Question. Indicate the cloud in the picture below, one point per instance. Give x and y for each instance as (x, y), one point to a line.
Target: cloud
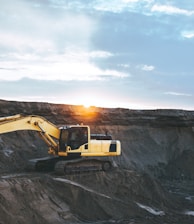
(148, 67)
(48, 46)
(118, 6)
(187, 34)
(69, 66)
(168, 9)
(115, 6)
(177, 94)
(21, 42)
(100, 54)
(129, 1)
(24, 28)
(124, 65)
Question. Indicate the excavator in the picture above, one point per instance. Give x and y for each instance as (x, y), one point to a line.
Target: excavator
(72, 148)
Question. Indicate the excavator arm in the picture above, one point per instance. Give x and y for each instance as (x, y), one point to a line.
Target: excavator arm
(47, 131)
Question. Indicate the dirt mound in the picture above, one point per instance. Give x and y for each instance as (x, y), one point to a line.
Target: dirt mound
(119, 196)
(46, 198)
(181, 167)
(26, 199)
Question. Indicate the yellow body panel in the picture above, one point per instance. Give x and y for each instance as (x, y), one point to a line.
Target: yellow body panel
(95, 148)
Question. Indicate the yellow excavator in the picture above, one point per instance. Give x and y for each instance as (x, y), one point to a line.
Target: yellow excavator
(71, 148)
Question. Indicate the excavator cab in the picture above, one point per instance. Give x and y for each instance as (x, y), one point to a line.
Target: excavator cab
(73, 137)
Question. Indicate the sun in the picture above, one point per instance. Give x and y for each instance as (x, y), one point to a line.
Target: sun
(87, 105)
(92, 99)
(88, 102)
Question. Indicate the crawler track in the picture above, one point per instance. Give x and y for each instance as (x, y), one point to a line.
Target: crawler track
(82, 165)
(68, 166)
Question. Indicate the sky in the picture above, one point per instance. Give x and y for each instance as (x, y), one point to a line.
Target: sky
(135, 54)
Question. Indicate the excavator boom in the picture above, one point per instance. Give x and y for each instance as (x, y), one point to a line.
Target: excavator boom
(18, 122)
(30, 122)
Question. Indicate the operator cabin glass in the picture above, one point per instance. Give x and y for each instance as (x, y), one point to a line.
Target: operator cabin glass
(73, 137)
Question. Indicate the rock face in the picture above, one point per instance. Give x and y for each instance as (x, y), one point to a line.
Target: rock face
(157, 147)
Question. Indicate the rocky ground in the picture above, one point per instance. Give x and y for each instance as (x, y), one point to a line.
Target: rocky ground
(152, 182)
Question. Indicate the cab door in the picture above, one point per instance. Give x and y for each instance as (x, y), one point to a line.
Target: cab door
(74, 139)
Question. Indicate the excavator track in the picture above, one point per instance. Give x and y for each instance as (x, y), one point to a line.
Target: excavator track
(44, 164)
(81, 165)
(61, 165)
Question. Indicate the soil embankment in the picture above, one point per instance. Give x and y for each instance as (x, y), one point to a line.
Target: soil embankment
(152, 181)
